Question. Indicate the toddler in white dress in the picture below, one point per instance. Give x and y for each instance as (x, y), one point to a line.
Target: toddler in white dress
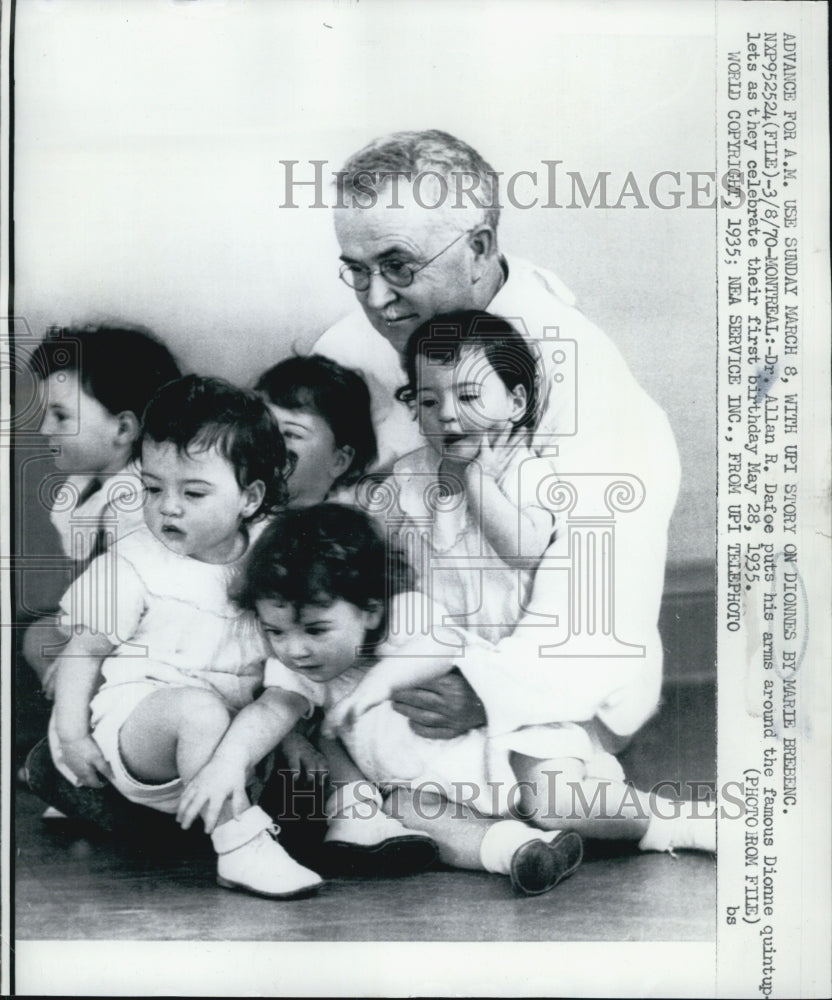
(178, 658)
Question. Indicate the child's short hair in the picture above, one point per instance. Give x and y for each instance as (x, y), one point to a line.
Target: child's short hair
(317, 555)
(444, 338)
(339, 395)
(120, 366)
(195, 413)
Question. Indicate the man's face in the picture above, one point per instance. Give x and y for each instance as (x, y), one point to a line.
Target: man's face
(410, 234)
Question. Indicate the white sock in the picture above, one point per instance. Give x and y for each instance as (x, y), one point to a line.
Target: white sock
(503, 839)
(693, 829)
(356, 800)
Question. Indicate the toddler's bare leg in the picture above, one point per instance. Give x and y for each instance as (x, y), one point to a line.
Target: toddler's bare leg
(172, 733)
(457, 829)
(557, 795)
(341, 768)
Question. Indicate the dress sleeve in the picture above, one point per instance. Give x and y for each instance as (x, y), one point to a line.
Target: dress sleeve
(109, 597)
(278, 675)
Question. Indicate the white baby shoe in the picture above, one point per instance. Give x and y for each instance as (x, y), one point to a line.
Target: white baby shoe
(250, 859)
(362, 840)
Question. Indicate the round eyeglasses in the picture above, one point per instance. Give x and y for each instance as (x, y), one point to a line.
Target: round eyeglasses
(398, 273)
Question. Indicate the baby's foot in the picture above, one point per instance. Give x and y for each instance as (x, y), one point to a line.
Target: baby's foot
(376, 845)
(250, 859)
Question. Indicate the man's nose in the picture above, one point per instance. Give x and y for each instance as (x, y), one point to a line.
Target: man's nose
(379, 294)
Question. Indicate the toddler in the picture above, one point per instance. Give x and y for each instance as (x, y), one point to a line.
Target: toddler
(332, 597)
(323, 411)
(177, 657)
(473, 382)
(96, 382)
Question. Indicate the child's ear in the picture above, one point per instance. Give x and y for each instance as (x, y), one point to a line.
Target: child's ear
(253, 497)
(343, 460)
(519, 403)
(127, 429)
(374, 614)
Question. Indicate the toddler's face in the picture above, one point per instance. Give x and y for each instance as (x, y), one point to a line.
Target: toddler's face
(319, 642)
(83, 435)
(459, 404)
(193, 503)
(311, 447)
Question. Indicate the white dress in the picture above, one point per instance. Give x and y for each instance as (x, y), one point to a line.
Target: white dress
(463, 573)
(173, 623)
(89, 515)
(472, 768)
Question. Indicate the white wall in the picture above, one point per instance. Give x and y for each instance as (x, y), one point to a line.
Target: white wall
(148, 136)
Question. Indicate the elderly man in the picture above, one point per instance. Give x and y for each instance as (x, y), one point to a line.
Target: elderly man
(410, 253)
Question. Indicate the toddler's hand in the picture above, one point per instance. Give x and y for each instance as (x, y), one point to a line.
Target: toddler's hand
(371, 691)
(84, 758)
(491, 458)
(304, 759)
(221, 779)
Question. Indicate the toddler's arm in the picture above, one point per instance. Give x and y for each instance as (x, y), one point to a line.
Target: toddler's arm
(502, 521)
(256, 730)
(414, 663)
(78, 671)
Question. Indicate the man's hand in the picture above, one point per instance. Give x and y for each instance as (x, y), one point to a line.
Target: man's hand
(441, 709)
(221, 779)
(84, 758)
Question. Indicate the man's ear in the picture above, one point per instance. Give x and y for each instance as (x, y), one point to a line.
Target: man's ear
(252, 497)
(127, 429)
(483, 242)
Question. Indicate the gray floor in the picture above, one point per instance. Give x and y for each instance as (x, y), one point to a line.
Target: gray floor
(73, 884)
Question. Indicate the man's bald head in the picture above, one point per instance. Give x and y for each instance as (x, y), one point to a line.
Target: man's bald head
(470, 180)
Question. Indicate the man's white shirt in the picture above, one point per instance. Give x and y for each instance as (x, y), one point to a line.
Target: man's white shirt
(602, 428)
